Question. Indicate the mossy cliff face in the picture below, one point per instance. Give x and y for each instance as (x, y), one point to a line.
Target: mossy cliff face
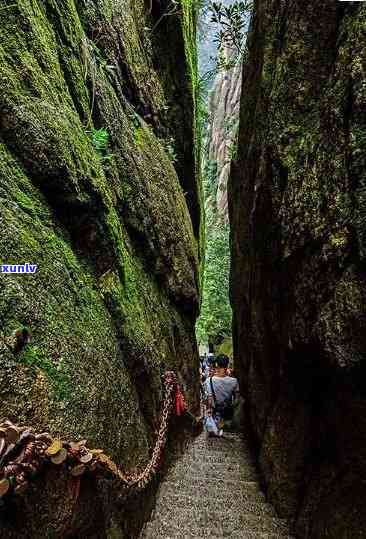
(297, 204)
(115, 297)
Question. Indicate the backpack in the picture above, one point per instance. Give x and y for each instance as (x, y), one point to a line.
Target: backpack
(225, 409)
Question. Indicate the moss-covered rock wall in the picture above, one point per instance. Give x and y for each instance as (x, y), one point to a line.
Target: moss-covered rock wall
(297, 205)
(112, 223)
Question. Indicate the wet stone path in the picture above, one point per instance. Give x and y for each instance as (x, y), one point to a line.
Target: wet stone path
(213, 491)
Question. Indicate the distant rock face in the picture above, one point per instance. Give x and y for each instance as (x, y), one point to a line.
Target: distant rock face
(223, 110)
(297, 207)
(214, 324)
(113, 228)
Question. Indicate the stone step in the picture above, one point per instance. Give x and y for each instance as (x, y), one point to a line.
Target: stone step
(219, 444)
(213, 475)
(219, 457)
(219, 447)
(213, 492)
(226, 466)
(222, 465)
(206, 471)
(244, 534)
(225, 441)
(207, 524)
(223, 517)
(202, 453)
(213, 485)
(213, 448)
(215, 503)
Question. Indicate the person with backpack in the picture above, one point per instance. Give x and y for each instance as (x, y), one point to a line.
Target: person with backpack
(221, 390)
(206, 372)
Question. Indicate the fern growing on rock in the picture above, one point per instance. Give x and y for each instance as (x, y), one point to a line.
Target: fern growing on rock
(100, 140)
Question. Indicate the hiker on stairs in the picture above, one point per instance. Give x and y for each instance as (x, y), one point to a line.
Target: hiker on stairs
(207, 371)
(221, 390)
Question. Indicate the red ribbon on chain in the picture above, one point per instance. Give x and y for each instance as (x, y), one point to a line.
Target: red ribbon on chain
(180, 403)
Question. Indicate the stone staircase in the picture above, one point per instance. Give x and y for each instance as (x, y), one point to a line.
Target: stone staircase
(213, 491)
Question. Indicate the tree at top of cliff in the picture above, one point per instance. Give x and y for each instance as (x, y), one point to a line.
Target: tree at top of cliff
(232, 21)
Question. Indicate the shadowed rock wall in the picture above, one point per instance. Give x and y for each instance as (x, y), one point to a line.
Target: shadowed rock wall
(115, 297)
(297, 208)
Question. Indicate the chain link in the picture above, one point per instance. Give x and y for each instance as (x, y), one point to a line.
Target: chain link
(33, 451)
(140, 480)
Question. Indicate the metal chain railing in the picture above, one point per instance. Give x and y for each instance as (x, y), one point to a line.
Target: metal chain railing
(142, 479)
(23, 453)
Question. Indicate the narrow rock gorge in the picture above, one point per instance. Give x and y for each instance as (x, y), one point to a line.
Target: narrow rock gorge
(98, 187)
(297, 200)
(108, 188)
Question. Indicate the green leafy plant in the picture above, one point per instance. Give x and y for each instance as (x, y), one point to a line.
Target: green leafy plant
(100, 140)
(138, 135)
(135, 119)
(232, 21)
